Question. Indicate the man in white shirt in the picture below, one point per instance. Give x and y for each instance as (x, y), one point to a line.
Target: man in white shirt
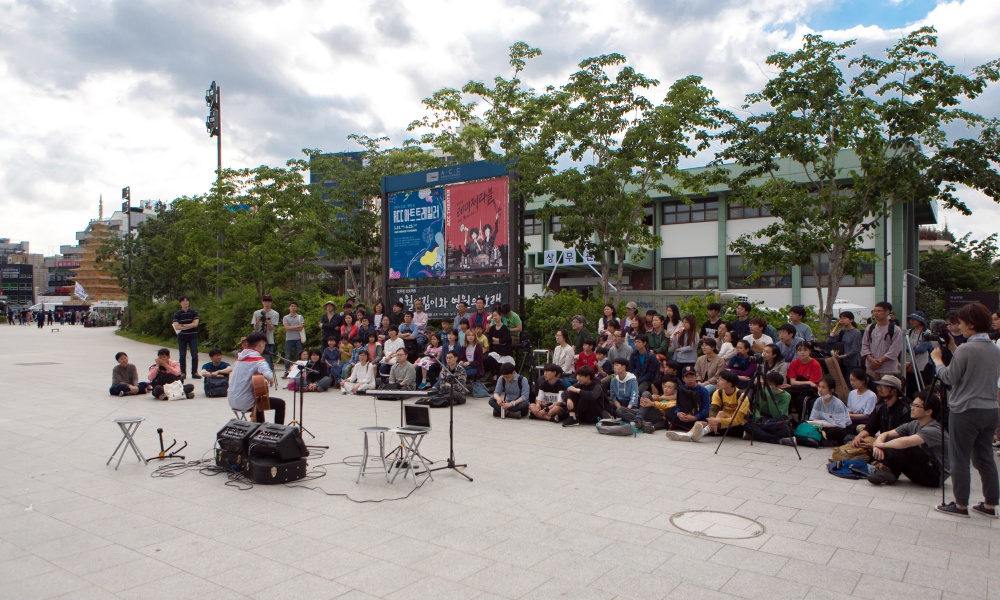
(264, 321)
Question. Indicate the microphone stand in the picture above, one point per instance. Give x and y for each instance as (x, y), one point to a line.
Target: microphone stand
(451, 380)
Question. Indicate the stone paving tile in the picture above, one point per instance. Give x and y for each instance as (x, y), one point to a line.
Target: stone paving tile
(71, 526)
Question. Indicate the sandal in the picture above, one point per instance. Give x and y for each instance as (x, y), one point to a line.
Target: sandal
(988, 512)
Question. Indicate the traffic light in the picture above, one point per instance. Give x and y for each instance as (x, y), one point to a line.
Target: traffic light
(213, 123)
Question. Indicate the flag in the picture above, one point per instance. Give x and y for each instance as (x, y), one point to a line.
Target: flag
(80, 292)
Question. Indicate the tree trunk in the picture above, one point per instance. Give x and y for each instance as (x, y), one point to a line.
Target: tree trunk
(605, 273)
(833, 287)
(620, 274)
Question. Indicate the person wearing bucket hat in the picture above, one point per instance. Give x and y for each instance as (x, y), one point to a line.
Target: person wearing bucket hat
(891, 411)
(920, 366)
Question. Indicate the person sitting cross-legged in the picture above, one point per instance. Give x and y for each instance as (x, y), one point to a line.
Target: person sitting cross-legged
(771, 424)
(729, 410)
(584, 400)
(690, 411)
(548, 404)
(215, 375)
(913, 449)
(511, 394)
(125, 378)
(402, 375)
(623, 390)
(165, 371)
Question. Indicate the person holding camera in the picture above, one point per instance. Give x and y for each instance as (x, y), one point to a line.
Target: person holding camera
(264, 321)
(974, 415)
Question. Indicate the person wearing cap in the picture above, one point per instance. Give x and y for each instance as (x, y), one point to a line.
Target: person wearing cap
(710, 328)
(892, 410)
(921, 368)
(690, 413)
(264, 321)
(330, 322)
(580, 327)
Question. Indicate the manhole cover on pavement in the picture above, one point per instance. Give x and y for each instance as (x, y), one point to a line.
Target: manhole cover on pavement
(715, 524)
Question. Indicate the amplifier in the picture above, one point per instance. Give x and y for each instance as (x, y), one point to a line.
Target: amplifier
(235, 436)
(283, 442)
(233, 462)
(270, 471)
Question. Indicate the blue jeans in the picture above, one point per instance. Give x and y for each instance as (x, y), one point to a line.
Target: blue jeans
(123, 387)
(183, 343)
(292, 350)
(520, 407)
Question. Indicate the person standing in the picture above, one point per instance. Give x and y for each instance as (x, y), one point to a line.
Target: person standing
(264, 321)
(186, 327)
(293, 323)
(330, 322)
(972, 403)
(881, 344)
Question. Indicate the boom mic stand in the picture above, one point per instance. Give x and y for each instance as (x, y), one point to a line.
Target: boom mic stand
(297, 417)
(451, 380)
(752, 395)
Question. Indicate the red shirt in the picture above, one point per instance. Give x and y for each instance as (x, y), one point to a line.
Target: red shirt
(585, 360)
(812, 371)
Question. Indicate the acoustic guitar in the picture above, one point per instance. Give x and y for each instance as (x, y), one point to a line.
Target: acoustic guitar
(261, 400)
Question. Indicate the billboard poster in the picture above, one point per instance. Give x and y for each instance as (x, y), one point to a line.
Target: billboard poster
(416, 234)
(476, 228)
(442, 301)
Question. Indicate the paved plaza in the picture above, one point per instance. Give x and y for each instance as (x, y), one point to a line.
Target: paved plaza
(552, 513)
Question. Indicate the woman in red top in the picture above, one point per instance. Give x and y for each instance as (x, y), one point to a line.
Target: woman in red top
(349, 329)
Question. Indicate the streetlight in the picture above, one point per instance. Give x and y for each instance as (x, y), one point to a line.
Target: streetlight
(213, 123)
(127, 209)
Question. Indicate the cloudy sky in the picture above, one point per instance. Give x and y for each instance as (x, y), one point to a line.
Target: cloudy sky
(97, 95)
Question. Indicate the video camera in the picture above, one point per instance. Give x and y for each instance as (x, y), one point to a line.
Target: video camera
(941, 335)
(757, 359)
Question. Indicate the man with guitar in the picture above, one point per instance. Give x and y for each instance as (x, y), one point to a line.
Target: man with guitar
(244, 392)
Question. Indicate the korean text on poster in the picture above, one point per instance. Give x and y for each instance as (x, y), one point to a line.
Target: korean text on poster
(416, 234)
(476, 227)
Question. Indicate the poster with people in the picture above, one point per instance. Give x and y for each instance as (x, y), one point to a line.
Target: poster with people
(476, 227)
(416, 234)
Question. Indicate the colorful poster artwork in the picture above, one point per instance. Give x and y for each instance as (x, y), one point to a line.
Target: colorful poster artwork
(416, 234)
(476, 228)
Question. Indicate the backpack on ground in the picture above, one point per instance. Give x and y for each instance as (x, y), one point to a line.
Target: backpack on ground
(479, 390)
(854, 468)
(615, 427)
(216, 387)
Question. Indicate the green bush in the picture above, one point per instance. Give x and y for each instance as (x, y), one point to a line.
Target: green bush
(698, 306)
(543, 315)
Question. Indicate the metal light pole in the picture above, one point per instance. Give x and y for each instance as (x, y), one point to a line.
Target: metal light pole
(127, 209)
(213, 123)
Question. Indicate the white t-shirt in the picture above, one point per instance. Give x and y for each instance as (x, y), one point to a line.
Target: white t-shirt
(389, 349)
(260, 316)
(861, 403)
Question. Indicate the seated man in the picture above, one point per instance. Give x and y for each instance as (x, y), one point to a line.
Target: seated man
(643, 364)
(215, 375)
(249, 362)
(645, 417)
(511, 395)
(691, 410)
(913, 449)
(125, 378)
(728, 412)
(891, 411)
(165, 371)
(623, 390)
(548, 404)
(771, 424)
(402, 375)
(584, 400)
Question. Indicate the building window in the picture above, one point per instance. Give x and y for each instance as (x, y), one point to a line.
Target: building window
(699, 273)
(532, 226)
(740, 278)
(699, 211)
(533, 277)
(554, 226)
(809, 278)
(647, 216)
(735, 211)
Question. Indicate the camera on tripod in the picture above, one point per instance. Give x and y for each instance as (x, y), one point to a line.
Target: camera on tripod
(757, 359)
(940, 335)
(524, 345)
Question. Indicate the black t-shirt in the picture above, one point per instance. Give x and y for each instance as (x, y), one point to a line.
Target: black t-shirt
(740, 329)
(711, 330)
(186, 317)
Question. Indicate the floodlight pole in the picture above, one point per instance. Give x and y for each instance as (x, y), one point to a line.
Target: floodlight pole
(213, 98)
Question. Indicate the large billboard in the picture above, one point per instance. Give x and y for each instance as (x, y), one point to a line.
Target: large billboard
(416, 234)
(476, 228)
(441, 301)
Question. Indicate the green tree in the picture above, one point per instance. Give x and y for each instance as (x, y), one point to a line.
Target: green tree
(631, 148)
(350, 213)
(894, 116)
(966, 266)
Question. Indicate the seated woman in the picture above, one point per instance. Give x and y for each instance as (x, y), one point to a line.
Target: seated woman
(501, 344)
(363, 376)
(803, 377)
(125, 378)
(861, 400)
(318, 378)
(472, 357)
(427, 362)
(725, 340)
(829, 413)
(165, 371)
(563, 354)
(773, 360)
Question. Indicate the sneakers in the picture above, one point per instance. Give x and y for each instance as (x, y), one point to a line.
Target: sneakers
(120, 394)
(882, 476)
(570, 422)
(643, 426)
(789, 441)
(531, 415)
(196, 376)
(678, 436)
(697, 432)
(986, 512)
(162, 397)
(423, 385)
(555, 418)
(952, 509)
(496, 414)
(513, 414)
(190, 395)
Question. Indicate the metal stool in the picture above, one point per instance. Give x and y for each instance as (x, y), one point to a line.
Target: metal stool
(411, 452)
(380, 436)
(243, 415)
(128, 425)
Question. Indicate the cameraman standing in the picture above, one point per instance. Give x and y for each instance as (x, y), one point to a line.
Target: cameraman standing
(972, 375)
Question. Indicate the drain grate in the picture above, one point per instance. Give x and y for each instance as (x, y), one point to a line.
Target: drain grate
(35, 364)
(716, 524)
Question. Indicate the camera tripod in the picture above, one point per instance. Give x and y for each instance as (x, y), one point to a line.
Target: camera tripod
(753, 395)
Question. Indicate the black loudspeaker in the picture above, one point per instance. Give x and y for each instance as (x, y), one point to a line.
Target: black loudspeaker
(232, 444)
(270, 471)
(283, 442)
